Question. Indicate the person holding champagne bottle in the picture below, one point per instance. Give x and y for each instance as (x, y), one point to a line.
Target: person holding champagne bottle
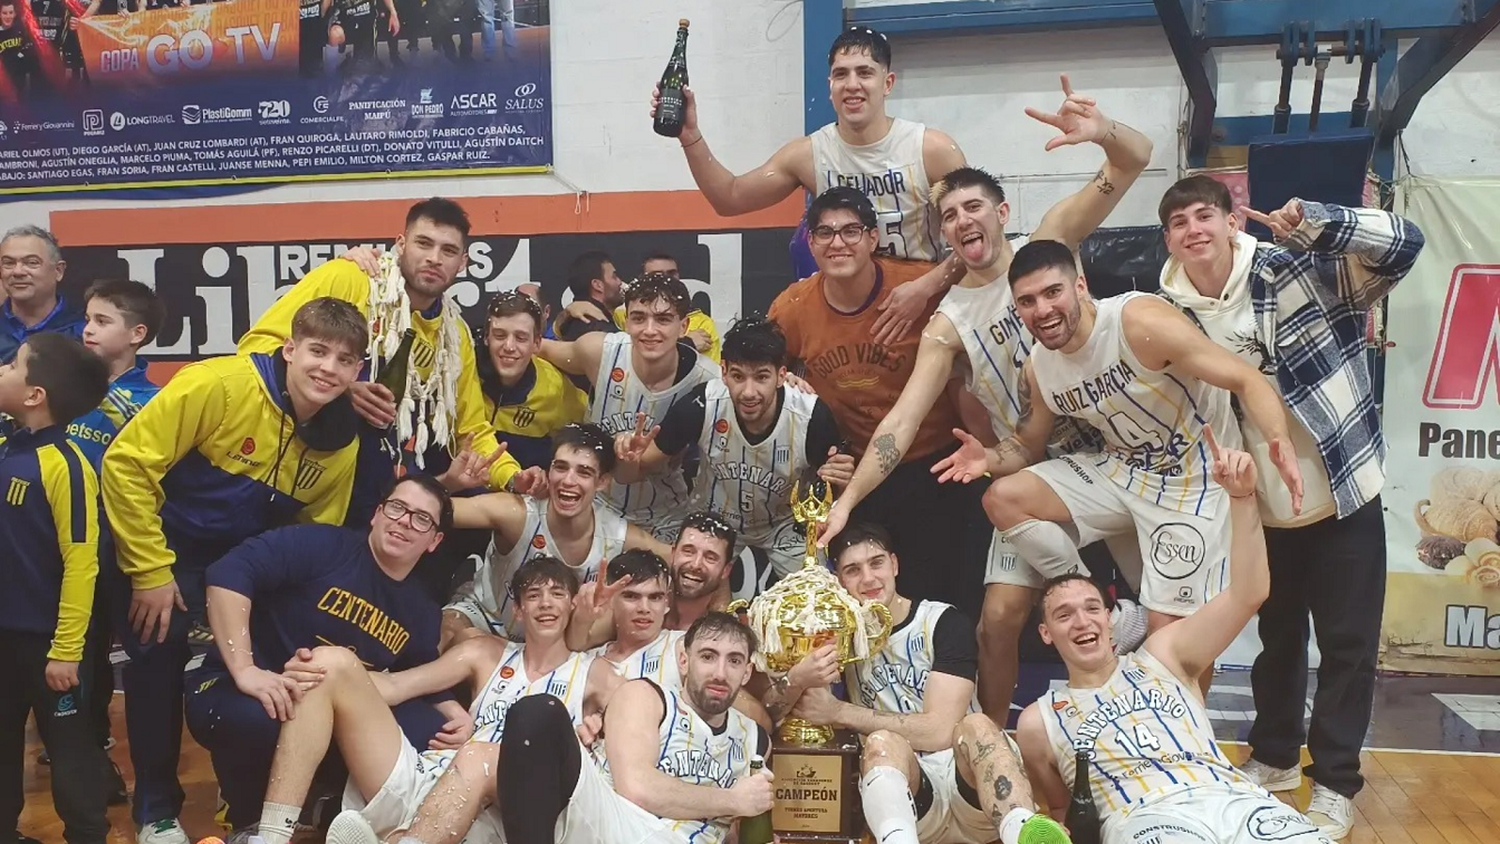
(1138, 721)
(890, 160)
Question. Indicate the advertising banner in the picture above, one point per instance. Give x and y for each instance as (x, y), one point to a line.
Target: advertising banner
(218, 267)
(1442, 612)
(270, 91)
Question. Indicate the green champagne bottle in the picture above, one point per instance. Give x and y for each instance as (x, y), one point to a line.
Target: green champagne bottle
(1082, 819)
(672, 109)
(756, 830)
(393, 376)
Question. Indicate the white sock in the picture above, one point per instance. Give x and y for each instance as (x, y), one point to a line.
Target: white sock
(278, 822)
(889, 809)
(1046, 547)
(1010, 825)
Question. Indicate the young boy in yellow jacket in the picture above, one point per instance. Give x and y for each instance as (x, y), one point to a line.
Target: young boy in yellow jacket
(231, 447)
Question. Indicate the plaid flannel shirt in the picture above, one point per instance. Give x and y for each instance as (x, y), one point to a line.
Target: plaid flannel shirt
(1312, 293)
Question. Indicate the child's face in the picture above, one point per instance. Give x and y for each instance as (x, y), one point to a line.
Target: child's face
(108, 332)
(14, 391)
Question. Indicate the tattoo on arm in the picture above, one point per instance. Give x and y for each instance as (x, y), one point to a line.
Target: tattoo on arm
(1104, 186)
(890, 456)
(1110, 135)
(1023, 400)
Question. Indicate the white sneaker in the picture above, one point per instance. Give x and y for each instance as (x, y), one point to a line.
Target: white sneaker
(350, 827)
(1128, 625)
(246, 836)
(1272, 779)
(1332, 813)
(168, 831)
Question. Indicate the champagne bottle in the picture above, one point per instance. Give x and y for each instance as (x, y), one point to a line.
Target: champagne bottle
(672, 108)
(756, 830)
(1082, 819)
(393, 377)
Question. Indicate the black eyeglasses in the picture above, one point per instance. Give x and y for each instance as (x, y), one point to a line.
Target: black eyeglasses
(420, 521)
(513, 299)
(850, 233)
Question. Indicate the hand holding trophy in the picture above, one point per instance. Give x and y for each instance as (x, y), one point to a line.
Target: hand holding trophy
(817, 770)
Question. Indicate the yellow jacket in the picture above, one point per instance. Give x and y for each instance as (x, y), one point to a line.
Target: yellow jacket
(345, 280)
(213, 460)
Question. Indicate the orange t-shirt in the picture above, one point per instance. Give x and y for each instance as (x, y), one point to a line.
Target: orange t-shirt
(859, 380)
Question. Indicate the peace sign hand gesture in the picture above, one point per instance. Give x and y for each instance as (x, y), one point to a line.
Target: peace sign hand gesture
(1282, 222)
(595, 596)
(1078, 118)
(630, 446)
(469, 469)
(1233, 470)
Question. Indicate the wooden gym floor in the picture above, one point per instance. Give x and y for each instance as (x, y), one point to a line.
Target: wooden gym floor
(1410, 797)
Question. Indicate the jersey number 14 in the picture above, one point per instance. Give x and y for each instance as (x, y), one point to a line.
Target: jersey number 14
(1144, 740)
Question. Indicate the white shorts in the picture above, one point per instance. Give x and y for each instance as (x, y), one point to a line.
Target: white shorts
(394, 807)
(950, 819)
(1213, 814)
(1006, 567)
(597, 814)
(782, 544)
(1186, 555)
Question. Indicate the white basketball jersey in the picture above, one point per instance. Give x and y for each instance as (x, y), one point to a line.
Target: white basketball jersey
(490, 588)
(656, 662)
(618, 396)
(895, 679)
(1151, 422)
(751, 485)
(695, 753)
(508, 683)
(1146, 733)
(892, 174)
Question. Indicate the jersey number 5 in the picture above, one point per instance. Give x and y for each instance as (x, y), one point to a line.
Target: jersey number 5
(892, 242)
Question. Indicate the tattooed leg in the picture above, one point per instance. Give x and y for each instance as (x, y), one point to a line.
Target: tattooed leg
(988, 763)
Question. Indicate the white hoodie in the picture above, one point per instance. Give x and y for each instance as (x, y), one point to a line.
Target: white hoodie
(1230, 322)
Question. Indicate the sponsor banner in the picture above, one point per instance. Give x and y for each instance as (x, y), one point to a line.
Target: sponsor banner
(219, 267)
(270, 91)
(1442, 612)
(159, 46)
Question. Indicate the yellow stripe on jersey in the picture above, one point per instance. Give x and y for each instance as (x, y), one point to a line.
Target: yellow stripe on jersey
(72, 490)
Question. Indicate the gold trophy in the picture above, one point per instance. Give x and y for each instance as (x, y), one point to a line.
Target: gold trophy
(817, 769)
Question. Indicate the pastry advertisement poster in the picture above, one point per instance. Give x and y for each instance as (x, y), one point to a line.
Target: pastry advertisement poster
(1442, 426)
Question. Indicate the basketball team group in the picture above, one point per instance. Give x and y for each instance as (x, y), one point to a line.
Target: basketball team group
(300, 515)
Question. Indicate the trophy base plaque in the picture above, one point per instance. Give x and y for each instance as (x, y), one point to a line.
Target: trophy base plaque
(817, 792)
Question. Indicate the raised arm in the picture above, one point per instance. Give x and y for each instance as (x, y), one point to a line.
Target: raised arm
(1041, 763)
(632, 722)
(1161, 336)
(579, 357)
(1126, 154)
(730, 195)
(1373, 249)
(1190, 646)
(894, 435)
